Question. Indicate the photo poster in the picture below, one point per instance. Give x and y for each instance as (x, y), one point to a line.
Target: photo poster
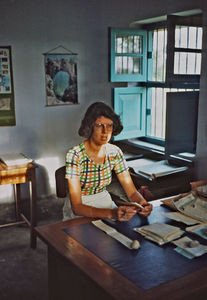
(7, 109)
(61, 79)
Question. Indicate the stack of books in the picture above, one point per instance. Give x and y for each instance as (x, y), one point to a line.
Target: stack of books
(160, 233)
(13, 160)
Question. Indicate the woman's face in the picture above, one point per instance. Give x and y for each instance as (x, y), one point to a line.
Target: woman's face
(102, 130)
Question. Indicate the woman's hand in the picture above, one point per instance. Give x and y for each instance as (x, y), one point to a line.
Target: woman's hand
(146, 210)
(125, 213)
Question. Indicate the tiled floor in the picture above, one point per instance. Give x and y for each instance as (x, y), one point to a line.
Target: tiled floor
(23, 273)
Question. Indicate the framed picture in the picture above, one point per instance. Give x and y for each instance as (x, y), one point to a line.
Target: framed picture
(7, 111)
(61, 78)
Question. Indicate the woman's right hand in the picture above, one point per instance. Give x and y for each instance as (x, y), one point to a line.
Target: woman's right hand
(125, 213)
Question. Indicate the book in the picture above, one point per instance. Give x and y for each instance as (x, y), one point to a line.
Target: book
(158, 169)
(15, 159)
(160, 233)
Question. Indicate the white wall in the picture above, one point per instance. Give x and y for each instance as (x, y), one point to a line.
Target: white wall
(33, 27)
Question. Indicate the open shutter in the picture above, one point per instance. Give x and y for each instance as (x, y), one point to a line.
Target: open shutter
(181, 122)
(130, 105)
(128, 55)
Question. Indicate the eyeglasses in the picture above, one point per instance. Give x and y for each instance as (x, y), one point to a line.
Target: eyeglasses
(107, 127)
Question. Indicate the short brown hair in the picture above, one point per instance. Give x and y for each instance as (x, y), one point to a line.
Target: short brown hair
(95, 111)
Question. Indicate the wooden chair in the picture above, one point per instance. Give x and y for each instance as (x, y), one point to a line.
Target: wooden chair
(61, 183)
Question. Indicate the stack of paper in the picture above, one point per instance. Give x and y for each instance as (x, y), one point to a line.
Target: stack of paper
(14, 159)
(160, 233)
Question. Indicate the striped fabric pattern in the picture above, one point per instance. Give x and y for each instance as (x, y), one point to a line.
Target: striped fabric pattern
(94, 177)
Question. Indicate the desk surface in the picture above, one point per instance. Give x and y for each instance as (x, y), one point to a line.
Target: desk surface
(189, 286)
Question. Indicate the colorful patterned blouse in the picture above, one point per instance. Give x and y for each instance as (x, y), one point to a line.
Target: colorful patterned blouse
(94, 177)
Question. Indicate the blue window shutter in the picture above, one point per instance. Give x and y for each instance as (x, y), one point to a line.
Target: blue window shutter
(130, 105)
(127, 75)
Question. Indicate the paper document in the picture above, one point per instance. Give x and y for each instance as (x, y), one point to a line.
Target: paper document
(200, 230)
(177, 216)
(202, 190)
(192, 206)
(115, 234)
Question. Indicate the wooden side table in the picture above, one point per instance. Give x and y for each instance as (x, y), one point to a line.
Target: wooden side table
(16, 176)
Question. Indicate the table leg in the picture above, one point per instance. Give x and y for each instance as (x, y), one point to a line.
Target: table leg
(17, 197)
(33, 220)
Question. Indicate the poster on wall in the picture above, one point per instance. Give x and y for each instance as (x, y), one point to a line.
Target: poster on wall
(61, 78)
(7, 112)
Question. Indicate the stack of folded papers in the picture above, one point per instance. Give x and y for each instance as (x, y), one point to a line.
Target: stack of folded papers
(160, 233)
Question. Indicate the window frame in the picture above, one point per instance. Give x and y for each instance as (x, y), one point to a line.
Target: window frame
(172, 22)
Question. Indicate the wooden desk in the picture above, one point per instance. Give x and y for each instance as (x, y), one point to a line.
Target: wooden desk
(74, 272)
(16, 176)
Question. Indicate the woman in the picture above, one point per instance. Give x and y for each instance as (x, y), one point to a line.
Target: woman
(89, 169)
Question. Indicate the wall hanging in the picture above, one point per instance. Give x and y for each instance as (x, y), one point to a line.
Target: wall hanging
(61, 77)
(7, 111)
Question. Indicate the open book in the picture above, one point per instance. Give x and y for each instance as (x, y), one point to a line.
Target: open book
(158, 169)
(160, 233)
(14, 159)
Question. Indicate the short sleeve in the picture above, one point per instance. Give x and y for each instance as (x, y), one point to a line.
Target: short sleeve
(72, 164)
(120, 162)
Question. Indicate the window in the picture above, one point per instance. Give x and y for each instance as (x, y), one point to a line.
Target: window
(171, 55)
(184, 49)
(159, 50)
(189, 38)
